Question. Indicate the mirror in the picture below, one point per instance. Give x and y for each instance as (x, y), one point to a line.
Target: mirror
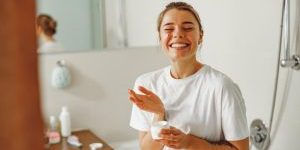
(78, 23)
(101, 24)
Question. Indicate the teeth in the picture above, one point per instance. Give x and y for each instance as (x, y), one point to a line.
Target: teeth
(178, 45)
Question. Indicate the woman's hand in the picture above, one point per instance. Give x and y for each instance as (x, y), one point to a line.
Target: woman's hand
(148, 101)
(174, 138)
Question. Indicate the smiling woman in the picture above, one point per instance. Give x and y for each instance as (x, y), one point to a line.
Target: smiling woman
(207, 106)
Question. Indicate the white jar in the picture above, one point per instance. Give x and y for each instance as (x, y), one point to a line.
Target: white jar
(65, 121)
(156, 128)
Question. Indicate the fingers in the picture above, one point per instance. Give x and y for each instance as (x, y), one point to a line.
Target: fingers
(165, 131)
(167, 134)
(141, 97)
(171, 130)
(149, 95)
(133, 99)
(173, 138)
(145, 91)
(150, 103)
(137, 99)
(133, 96)
(170, 143)
(175, 131)
(170, 137)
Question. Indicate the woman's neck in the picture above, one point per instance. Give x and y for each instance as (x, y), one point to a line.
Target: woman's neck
(183, 69)
(47, 38)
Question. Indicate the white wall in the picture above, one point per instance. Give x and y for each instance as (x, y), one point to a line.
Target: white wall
(141, 16)
(241, 39)
(98, 97)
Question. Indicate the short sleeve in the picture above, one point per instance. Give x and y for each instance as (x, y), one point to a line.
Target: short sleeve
(234, 120)
(140, 120)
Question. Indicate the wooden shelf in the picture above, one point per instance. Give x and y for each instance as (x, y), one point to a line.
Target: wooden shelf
(86, 137)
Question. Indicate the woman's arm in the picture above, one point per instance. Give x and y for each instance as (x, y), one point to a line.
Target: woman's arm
(174, 138)
(147, 143)
(151, 103)
(145, 138)
(200, 144)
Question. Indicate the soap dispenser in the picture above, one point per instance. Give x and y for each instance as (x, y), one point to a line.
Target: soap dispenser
(61, 76)
(65, 121)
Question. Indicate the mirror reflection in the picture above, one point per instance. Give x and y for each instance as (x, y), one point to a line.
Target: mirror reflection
(46, 29)
(78, 24)
(101, 24)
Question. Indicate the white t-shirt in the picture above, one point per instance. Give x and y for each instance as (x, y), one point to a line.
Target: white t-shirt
(50, 46)
(206, 104)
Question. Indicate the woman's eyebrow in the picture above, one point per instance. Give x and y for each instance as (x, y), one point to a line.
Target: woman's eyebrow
(169, 23)
(184, 23)
(188, 22)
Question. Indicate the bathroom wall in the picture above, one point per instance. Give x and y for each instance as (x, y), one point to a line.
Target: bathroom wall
(240, 39)
(97, 97)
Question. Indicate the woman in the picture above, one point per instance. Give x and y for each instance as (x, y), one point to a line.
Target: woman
(46, 28)
(204, 107)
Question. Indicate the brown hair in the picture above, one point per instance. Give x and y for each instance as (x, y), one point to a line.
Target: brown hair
(179, 6)
(47, 23)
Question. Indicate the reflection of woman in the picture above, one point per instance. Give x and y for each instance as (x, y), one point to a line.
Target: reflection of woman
(204, 107)
(46, 28)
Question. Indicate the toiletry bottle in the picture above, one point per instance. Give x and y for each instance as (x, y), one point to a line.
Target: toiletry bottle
(65, 122)
(53, 134)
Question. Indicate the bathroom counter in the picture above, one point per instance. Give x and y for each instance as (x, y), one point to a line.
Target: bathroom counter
(86, 137)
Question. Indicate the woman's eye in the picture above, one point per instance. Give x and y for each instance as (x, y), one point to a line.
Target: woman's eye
(188, 28)
(168, 29)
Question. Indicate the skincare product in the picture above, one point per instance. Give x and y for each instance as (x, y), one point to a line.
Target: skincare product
(95, 146)
(74, 141)
(156, 128)
(65, 121)
(53, 134)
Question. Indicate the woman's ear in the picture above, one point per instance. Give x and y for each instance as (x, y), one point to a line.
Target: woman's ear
(200, 39)
(199, 42)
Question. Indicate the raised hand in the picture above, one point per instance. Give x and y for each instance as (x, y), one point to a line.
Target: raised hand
(148, 101)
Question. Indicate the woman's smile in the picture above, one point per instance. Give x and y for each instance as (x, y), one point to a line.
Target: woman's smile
(179, 45)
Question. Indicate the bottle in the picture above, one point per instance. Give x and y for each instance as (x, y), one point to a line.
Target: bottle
(53, 134)
(65, 122)
(53, 123)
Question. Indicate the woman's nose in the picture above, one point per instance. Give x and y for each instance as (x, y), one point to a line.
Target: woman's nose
(178, 33)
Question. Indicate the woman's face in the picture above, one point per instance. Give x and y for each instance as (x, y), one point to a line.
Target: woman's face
(38, 30)
(180, 34)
